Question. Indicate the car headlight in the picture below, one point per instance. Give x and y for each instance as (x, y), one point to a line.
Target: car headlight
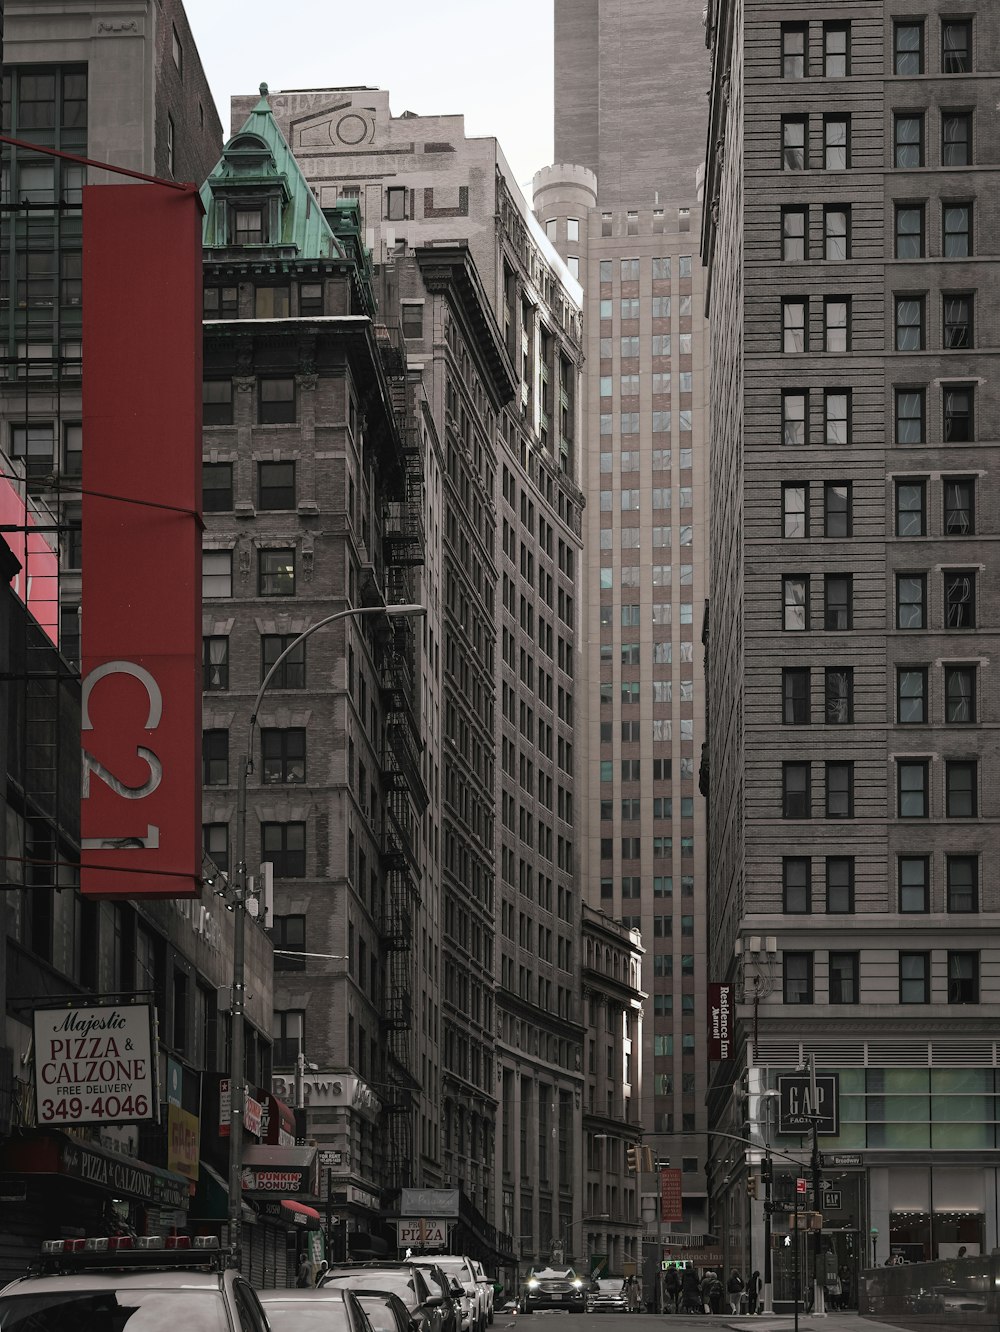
(532, 1284)
(578, 1285)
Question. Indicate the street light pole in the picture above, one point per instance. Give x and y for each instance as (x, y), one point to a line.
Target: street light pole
(238, 904)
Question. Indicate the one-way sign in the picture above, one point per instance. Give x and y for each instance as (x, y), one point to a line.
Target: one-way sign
(795, 1107)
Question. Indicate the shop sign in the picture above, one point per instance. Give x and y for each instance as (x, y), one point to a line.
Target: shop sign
(842, 1158)
(796, 1112)
(252, 1111)
(704, 1257)
(832, 1200)
(36, 583)
(720, 1007)
(140, 705)
(121, 1176)
(285, 1171)
(429, 1202)
(671, 1195)
(183, 1136)
(427, 1234)
(341, 1091)
(94, 1065)
(277, 1123)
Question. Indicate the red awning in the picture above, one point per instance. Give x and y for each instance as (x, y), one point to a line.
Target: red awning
(309, 1214)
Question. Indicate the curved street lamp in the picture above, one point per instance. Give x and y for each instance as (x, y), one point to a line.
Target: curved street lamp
(239, 903)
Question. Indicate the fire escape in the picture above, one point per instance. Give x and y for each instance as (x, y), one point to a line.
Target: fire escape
(405, 794)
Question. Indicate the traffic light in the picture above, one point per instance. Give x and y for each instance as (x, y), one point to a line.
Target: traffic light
(751, 1185)
(767, 1170)
(646, 1154)
(632, 1159)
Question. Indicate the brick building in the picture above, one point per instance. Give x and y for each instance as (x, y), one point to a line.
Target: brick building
(850, 235)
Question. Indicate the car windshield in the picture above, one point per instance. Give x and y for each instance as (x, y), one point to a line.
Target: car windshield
(290, 1313)
(450, 1265)
(397, 1282)
(122, 1310)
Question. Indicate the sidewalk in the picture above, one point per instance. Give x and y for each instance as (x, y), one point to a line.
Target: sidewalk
(831, 1322)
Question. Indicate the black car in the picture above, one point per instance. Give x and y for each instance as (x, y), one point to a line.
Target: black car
(387, 1313)
(309, 1310)
(424, 1304)
(551, 1289)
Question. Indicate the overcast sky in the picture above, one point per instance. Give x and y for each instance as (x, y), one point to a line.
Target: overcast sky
(490, 61)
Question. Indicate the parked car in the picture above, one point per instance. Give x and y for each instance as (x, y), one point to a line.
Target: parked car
(314, 1310)
(486, 1283)
(116, 1289)
(452, 1295)
(403, 1279)
(457, 1265)
(387, 1312)
(552, 1289)
(608, 1297)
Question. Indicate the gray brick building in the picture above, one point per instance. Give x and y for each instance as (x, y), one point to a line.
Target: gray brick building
(850, 239)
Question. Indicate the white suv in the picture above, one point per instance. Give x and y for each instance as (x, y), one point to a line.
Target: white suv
(474, 1317)
(486, 1286)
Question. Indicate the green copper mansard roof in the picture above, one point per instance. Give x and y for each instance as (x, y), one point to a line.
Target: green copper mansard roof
(258, 169)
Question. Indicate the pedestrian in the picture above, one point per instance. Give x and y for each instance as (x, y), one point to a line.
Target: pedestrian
(673, 1288)
(753, 1292)
(708, 1276)
(845, 1287)
(834, 1290)
(321, 1271)
(304, 1275)
(734, 1286)
(690, 1291)
(962, 1251)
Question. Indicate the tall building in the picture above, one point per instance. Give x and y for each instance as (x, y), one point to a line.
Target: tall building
(623, 206)
(848, 233)
(501, 831)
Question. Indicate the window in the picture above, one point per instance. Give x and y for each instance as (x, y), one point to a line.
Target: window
(215, 662)
(795, 509)
(839, 688)
(908, 47)
(412, 317)
(908, 139)
(844, 978)
(793, 143)
(631, 223)
(795, 878)
(911, 601)
(959, 494)
(836, 232)
(836, 50)
(289, 936)
(836, 142)
(176, 49)
(911, 695)
(837, 509)
(276, 402)
(793, 323)
(275, 485)
(956, 138)
(963, 978)
(217, 402)
(795, 598)
(284, 845)
(963, 883)
(956, 228)
(572, 228)
(72, 457)
(957, 331)
(629, 270)
(836, 324)
(606, 221)
(288, 1029)
(794, 232)
(839, 885)
(911, 778)
(957, 402)
(276, 573)
(837, 413)
(909, 231)
(795, 695)
(283, 755)
(840, 790)
(220, 302)
(909, 323)
(797, 978)
(914, 978)
(216, 573)
(793, 50)
(573, 264)
(247, 226)
(215, 839)
(914, 894)
(911, 508)
(311, 300)
(960, 695)
(34, 445)
(170, 143)
(960, 785)
(837, 597)
(215, 758)
(796, 791)
(794, 416)
(684, 265)
(395, 203)
(956, 46)
(960, 598)
(910, 415)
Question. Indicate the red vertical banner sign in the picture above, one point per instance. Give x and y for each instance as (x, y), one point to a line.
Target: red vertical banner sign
(141, 604)
(671, 1197)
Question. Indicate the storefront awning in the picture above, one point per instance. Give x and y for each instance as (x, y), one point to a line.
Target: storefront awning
(301, 1214)
(53, 1153)
(211, 1201)
(271, 1172)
